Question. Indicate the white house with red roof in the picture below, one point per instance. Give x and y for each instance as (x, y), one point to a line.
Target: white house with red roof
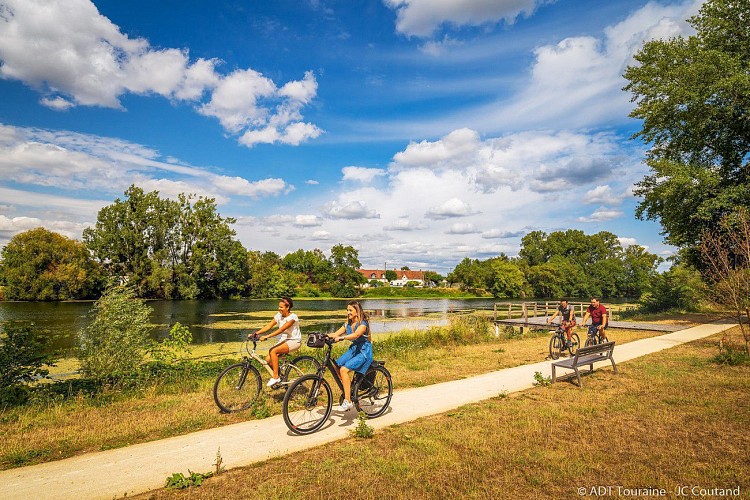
(402, 276)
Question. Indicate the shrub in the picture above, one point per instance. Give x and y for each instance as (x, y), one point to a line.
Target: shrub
(114, 343)
(173, 348)
(362, 430)
(731, 355)
(22, 357)
(541, 381)
(679, 288)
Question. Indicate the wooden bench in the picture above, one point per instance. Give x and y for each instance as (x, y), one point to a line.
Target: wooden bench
(586, 356)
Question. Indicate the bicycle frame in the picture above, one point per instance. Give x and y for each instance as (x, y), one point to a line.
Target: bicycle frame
(330, 364)
(595, 334)
(251, 354)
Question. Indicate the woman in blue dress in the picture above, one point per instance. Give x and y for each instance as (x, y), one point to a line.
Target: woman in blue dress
(359, 355)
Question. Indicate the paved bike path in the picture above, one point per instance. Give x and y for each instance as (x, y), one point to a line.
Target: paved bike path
(144, 467)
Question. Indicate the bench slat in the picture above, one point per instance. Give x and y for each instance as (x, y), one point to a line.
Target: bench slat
(587, 356)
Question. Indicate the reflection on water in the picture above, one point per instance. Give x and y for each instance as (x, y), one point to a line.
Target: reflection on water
(209, 319)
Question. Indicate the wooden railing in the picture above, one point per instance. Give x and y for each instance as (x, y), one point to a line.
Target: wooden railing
(526, 310)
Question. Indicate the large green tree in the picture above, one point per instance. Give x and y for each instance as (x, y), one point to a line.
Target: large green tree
(312, 263)
(693, 96)
(42, 265)
(506, 279)
(169, 248)
(345, 279)
(268, 278)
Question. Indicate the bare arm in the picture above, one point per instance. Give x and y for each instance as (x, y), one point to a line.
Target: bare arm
(338, 332)
(553, 317)
(266, 328)
(280, 330)
(361, 329)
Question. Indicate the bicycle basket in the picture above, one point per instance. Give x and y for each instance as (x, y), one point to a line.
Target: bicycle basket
(316, 340)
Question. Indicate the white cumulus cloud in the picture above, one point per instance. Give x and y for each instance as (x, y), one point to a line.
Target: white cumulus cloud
(601, 214)
(352, 210)
(361, 174)
(451, 208)
(422, 17)
(75, 56)
(307, 220)
(462, 228)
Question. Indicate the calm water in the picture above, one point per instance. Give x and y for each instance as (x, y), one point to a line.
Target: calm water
(204, 317)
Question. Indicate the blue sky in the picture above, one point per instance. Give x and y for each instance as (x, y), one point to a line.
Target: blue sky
(418, 131)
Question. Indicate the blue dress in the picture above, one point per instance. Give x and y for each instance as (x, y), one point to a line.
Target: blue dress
(359, 355)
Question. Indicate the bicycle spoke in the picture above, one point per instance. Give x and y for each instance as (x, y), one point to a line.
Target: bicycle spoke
(307, 404)
(237, 388)
(374, 392)
(303, 365)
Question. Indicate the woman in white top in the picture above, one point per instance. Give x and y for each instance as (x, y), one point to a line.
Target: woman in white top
(291, 337)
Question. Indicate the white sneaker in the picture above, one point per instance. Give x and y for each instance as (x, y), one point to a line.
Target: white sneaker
(346, 405)
(273, 381)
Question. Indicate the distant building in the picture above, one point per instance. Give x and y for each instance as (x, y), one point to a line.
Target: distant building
(402, 277)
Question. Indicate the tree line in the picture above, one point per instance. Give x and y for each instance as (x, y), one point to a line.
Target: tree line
(166, 249)
(184, 249)
(563, 264)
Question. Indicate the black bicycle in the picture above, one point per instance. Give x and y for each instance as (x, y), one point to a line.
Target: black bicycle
(309, 400)
(595, 336)
(239, 385)
(559, 343)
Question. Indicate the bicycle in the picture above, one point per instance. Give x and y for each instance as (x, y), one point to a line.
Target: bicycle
(594, 336)
(238, 386)
(558, 342)
(309, 400)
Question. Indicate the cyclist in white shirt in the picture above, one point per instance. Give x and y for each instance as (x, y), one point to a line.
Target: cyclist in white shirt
(290, 339)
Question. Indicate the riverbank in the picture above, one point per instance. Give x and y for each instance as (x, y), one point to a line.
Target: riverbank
(51, 429)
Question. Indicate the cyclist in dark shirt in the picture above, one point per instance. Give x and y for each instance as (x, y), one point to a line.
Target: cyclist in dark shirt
(599, 318)
(567, 317)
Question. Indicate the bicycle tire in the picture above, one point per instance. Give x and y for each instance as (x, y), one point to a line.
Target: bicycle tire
(575, 343)
(374, 392)
(555, 346)
(307, 404)
(237, 387)
(301, 365)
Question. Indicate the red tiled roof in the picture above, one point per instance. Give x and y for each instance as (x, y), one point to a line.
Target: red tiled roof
(380, 274)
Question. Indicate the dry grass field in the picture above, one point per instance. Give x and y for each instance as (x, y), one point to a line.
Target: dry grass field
(668, 420)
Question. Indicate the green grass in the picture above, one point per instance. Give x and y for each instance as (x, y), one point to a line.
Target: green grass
(669, 419)
(77, 419)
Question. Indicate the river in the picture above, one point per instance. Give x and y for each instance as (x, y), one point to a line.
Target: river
(226, 320)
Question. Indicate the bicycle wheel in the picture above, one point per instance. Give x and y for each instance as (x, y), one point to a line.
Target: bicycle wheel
(307, 404)
(237, 387)
(590, 341)
(575, 343)
(374, 391)
(555, 346)
(302, 365)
